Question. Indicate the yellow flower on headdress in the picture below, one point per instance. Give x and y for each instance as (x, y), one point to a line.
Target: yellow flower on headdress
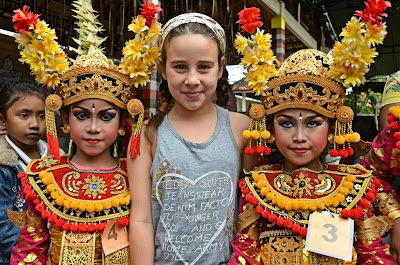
(141, 54)
(257, 58)
(353, 76)
(138, 25)
(262, 41)
(353, 30)
(132, 49)
(240, 43)
(374, 35)
(151, 56)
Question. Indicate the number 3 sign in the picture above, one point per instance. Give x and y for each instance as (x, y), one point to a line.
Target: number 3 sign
(330, 235)
(114, 237)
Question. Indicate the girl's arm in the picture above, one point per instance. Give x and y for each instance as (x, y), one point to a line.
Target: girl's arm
(34, 239)
(141, 231)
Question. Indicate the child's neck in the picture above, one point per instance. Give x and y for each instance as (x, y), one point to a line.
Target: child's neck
(195, 126)
(30, 150)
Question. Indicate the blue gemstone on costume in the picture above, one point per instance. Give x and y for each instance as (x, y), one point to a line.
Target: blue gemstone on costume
(94, 186)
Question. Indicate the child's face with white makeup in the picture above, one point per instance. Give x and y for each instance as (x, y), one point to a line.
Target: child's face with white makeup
(301, 137)
(94, 126)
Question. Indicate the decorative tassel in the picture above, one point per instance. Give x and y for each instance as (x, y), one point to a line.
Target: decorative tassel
(135, 107)
(134, 150)
(344, 134)
(257, 131)
(51, 133)
(53, 103)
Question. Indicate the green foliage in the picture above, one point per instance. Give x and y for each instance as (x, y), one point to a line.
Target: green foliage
(367, 102)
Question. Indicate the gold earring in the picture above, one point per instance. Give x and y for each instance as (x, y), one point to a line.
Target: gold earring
(121, 132)
(331, 138)
(70, 147)
(66, 128)
(115, 149)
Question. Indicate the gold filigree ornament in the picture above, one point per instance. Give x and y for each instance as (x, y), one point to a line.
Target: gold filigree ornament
(258, 132)
(92, 74)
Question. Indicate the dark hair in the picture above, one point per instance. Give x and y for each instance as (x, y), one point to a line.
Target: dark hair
(165, 95)
(12, 92)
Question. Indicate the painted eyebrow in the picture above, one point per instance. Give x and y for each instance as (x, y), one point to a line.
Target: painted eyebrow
(307, 119)
(313, 117)
(85, 109)
(286, 116)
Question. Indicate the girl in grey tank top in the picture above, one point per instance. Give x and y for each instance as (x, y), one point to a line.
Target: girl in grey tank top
(194, 195)
(184, 183)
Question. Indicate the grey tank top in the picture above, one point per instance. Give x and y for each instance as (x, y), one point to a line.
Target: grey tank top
(195, 195)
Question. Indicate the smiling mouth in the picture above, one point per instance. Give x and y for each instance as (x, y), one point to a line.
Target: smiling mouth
(192, 95)
(299, 150)
(92, 141)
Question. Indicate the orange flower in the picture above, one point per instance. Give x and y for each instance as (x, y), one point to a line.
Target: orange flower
(24, 19)
(149, 11)
(374, 11)
(248, 18)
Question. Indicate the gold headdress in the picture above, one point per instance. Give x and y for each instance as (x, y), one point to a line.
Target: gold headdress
(91, 75)
(309, 79)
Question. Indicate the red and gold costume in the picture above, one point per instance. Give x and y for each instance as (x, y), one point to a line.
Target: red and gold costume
(276, 206)
(70, 207)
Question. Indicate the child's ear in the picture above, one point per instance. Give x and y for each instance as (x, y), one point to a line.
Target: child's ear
(221, 67)
(163, 70)
(64, 116)
(2, 120)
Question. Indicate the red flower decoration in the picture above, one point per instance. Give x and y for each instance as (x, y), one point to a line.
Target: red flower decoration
(248, 18)
(149, 11)
(24, 19)
(374, 11)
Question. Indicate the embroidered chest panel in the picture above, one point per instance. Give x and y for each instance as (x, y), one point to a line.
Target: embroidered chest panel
(299, 193)
(80, 195)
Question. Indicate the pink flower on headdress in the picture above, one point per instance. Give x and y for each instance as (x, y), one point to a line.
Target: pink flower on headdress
(24, 19)
(149, 11)
(248, 18)
(374, 11)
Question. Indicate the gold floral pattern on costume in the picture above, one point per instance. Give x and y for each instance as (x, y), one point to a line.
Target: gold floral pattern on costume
(94, 186)
(30, 259)
(119, 185)
(302, 185)
(33, 233)
(395, 158)
(348, 169)
(47, 163)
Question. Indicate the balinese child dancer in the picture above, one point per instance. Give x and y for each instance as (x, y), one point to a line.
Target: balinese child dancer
(78, 203)
(22, 113)
(183, 184)
(282, 205)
